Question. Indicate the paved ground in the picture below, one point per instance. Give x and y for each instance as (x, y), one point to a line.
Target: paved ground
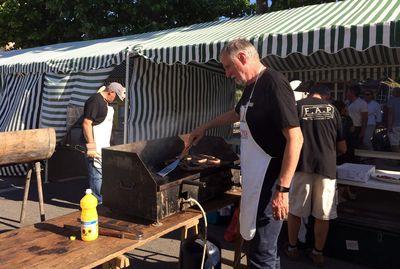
(63, 197)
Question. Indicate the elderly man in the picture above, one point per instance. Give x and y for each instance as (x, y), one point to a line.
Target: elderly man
(270, 147)
(97, 127)
(313, 188)
(374, 118)
(358, 112)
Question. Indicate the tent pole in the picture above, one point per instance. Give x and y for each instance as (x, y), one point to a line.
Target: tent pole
(126, 98)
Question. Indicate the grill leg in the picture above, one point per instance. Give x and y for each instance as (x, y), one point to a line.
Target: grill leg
(26, 193)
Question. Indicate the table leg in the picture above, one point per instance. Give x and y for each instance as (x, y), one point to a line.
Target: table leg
(238, 253)
(185, 229)
(40, 191)
(26, 193)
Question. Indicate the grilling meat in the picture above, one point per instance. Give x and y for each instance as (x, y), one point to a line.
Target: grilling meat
(197, 162)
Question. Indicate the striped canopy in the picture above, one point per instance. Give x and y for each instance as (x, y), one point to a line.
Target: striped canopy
(331, 27)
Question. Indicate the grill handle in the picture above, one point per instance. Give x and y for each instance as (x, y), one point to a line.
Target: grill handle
(194, 183)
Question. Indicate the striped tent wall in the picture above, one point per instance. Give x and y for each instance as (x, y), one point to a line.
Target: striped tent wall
(20, 104)
(168, 100)
(62, 90)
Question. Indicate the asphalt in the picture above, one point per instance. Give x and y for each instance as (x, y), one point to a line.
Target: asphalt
(63, 197)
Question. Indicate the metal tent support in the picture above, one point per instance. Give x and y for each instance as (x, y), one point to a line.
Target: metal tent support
(126, 109)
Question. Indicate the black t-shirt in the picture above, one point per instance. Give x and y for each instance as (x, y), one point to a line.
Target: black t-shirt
(95, 109)
(321, 125)
(271, 109)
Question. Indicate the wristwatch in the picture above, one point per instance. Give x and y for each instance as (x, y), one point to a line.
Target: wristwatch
(281, 188)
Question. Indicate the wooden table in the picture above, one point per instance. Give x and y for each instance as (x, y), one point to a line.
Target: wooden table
(47, 244)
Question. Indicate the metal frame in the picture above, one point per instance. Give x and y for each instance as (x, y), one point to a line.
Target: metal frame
(126, 97)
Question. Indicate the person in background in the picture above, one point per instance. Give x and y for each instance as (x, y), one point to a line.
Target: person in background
(374, 118)
(313, 189)
(358, 111)
(348, 130)
(393, 124)
(271, 141)
(97, 126)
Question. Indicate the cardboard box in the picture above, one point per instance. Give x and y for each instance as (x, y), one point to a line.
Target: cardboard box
(355, 172)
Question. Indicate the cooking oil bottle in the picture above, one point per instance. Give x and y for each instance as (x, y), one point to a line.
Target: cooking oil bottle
(89, 217)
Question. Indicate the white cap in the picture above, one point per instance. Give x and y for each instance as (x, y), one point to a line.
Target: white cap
(88, 191)
(118, 89)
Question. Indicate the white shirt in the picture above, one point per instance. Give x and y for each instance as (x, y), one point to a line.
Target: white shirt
(355, 109)
(374, 113)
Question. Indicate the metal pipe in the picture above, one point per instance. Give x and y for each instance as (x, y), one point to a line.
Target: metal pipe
(126, 107)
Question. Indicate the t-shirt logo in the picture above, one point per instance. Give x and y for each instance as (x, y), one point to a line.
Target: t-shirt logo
(317, 112)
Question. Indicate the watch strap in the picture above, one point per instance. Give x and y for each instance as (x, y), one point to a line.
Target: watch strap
(281, 188)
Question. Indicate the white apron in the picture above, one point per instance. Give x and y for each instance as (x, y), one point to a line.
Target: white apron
(254, 163)
(102, 134)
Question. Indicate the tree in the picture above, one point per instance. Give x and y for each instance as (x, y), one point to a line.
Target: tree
(286, 4)
(262, 6)
(32, 23)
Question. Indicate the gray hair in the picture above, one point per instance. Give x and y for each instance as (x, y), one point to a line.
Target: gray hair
(235, 46)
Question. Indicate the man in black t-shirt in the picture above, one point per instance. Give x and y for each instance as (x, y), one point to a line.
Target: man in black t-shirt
(270, 147)
(97, 127)
(313, 187)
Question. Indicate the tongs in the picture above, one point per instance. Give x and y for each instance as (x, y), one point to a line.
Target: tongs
(171, 167)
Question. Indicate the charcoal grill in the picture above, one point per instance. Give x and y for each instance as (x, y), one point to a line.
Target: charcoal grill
(131, 185)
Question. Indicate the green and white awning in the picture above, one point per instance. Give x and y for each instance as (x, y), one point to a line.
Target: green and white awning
(330, 27)
(348, 64)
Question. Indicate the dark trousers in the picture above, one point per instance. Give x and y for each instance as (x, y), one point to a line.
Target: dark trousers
(95, 176)
(263, 247)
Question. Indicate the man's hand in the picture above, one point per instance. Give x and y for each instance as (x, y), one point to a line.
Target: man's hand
(196, 135)
(91, 151)
(280, 205)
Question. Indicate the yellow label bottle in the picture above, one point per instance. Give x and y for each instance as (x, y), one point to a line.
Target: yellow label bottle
(89, 217)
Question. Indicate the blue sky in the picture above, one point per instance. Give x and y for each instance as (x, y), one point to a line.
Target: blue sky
(253, 1)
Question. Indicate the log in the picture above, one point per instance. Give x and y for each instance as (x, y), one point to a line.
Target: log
(27, 146)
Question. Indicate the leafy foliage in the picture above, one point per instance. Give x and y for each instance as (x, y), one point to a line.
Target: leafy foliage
(31, 23)
(274, 5)
(286, 4)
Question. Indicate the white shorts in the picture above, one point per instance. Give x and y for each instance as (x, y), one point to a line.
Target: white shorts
(313, 193)
(394, 136)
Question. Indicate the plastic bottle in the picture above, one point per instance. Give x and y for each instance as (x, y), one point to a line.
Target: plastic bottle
(89, 217)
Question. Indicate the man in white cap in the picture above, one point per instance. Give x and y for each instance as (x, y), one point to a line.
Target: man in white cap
(97, 127)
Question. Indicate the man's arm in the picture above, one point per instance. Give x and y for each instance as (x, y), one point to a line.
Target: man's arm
(364, 121)
(87, 127)
(378, 115)
(227, 118)
(294, 142)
